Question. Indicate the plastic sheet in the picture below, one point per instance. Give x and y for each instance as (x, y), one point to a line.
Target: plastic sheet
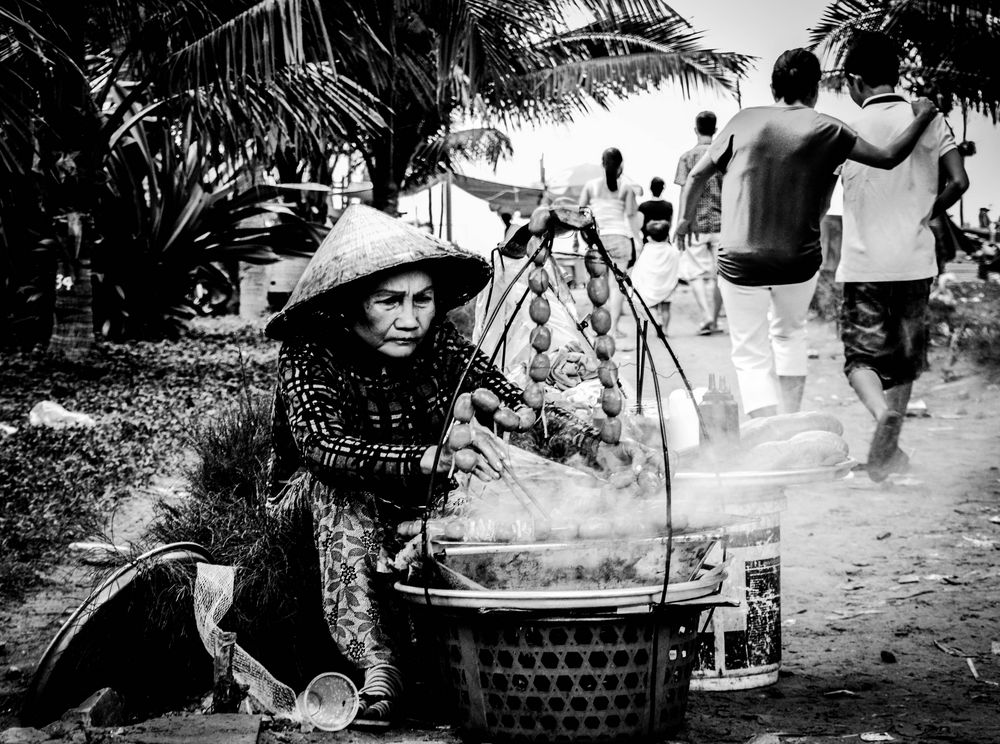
(213, 596)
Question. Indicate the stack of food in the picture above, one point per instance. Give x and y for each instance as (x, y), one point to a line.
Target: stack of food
(795, 441)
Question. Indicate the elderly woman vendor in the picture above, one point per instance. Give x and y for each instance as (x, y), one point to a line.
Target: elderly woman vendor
(366, 371)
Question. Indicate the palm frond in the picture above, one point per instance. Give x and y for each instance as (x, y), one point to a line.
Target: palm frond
(447, 150)
(616, 77)
(257, 44)
(605, 61)
(31, 57)
(308, 106)
(950, 48)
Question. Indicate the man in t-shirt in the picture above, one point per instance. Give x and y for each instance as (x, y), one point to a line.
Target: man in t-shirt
(699, 261)
(656, 209)
(888, 259)
(779, 163)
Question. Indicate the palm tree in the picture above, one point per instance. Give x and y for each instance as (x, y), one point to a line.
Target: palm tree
(77, 80)
(509, 62)
(950, 49)
(255, 78)
(45, 162)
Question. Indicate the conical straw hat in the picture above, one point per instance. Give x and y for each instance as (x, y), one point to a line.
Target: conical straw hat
(364, 242)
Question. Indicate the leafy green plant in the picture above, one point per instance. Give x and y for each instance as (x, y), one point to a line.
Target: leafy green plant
(166, 215)
(276, 610)
(967, 315)
(76, 78)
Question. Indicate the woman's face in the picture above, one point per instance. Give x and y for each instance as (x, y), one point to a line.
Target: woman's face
(397, 314)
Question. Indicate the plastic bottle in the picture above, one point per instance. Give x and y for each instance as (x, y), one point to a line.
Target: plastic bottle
(721, 415)
(682, 426)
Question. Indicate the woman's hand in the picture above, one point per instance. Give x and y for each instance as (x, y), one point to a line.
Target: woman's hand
(627, 453)
(484, 443)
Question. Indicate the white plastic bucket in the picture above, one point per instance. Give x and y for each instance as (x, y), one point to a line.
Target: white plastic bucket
(741, 646)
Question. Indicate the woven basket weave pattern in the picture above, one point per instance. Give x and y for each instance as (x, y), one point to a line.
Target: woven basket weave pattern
(517, 677)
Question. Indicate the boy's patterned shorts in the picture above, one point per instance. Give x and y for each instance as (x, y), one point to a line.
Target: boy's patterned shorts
(885, 328)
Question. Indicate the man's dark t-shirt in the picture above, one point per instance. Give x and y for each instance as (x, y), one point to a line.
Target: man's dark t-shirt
(780, 167)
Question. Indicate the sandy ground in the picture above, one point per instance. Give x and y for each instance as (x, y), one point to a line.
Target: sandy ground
(869, 573)
(868, 569)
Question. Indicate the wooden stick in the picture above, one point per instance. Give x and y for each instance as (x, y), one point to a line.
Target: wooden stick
(641, 343)
(522, 492)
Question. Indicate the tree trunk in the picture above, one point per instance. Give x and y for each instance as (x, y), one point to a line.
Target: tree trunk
(73, 334)
(232, 269)
(385, 189)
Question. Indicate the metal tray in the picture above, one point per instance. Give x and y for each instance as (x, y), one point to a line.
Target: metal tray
(628, 599)
(766, 478)
(585, 564)
(58, 683)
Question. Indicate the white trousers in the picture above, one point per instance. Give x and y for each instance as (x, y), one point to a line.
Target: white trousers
(767, 328)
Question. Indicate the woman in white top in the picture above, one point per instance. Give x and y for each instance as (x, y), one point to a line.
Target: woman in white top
(613, 204)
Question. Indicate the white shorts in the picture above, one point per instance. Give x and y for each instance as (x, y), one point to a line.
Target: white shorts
(698, 261)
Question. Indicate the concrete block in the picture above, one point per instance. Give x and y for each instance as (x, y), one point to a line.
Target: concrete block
(103, 708)
(188, 728)
(22, 736)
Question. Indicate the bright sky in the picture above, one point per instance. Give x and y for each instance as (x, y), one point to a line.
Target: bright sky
(652, 130)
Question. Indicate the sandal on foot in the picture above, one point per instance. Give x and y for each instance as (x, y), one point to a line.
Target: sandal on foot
(374, 712)
(899, 462)
(884, 444)
(379, 694)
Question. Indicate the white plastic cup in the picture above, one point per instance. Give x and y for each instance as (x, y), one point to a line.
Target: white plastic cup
(330, 702)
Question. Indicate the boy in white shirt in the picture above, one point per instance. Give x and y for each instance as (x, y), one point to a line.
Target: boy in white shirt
(887, 259)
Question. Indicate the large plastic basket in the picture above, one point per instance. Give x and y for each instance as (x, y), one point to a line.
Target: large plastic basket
(525, 676)
(532, 666)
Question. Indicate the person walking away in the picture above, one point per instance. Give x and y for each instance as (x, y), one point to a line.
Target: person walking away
(655, 208)
(699, 261)
(613, 204)
(779, 164)
(888, 260)
(655, 274)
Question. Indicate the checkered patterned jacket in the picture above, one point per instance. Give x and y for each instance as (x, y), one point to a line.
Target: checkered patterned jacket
(358, 419)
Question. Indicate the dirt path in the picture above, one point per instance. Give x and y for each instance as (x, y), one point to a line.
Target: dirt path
(866, 569)
(869, 569)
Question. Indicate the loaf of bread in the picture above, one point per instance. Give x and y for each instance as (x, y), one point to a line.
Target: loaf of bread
(808, 449)
(818, 448)
(771, 456)
(785, 426)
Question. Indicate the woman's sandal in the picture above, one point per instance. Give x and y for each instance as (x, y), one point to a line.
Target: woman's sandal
(375, 712)
(379, 695)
